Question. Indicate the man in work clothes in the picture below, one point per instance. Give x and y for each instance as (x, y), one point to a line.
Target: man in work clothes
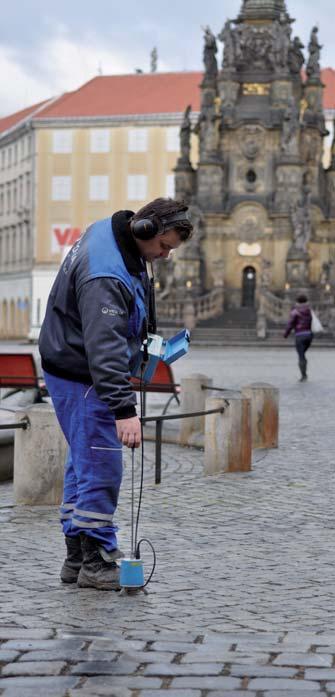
(97, 316)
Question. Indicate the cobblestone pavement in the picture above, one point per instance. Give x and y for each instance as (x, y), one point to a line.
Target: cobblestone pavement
(242, 601)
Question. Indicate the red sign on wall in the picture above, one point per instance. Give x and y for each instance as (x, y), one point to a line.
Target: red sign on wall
(63, 235)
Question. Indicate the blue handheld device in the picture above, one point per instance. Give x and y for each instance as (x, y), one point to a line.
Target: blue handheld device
(167, 350)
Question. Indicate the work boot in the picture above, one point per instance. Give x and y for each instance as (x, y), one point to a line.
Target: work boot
(99, 568)
(70, 569)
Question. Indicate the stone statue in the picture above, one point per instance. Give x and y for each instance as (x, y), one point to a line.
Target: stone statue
(325, 273)
(226, 35)
(266, 273)
(296, 57)
(167, 278)
(207, 126)
(301, 220)
(185, 136)
(210, 50)
(311, 146)
(314, 48)
(281, 41)
(290, 133)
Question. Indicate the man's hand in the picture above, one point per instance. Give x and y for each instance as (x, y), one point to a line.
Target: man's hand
(129, 431)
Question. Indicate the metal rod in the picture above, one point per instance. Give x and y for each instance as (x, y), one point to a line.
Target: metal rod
(158, 458)
(22, 424)
(182, 416)
(132, 501)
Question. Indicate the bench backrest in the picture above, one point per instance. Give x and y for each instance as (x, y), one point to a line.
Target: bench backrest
(162, 380)
(18, 370)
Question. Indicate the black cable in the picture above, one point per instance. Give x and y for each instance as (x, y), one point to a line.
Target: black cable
(142, 395)
(137, 556)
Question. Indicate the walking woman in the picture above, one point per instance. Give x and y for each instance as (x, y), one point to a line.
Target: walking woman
(301, 322)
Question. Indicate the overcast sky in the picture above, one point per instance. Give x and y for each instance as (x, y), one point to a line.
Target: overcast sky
(48, 47)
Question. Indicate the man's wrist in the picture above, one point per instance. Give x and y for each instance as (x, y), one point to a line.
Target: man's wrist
(125, 413)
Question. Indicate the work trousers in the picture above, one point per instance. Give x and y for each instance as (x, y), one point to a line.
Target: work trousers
(93, 470)
(302, 344)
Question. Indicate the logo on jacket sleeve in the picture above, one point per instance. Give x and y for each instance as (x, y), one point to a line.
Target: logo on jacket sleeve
(112, 311)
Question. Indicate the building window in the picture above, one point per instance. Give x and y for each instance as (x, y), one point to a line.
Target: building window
(99, 140)
(3, 159)
(9, 161)
(170, 186)
(172, 139)
(61, 188)
(137, 187)
(62, 141)
(99, 188)
(137, 140)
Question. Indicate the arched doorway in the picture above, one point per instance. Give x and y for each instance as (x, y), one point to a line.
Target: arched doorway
(248, 286)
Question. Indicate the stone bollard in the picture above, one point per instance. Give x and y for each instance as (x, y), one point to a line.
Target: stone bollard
(228, 435)
(193, 398)
(39, 456)
(264, 414)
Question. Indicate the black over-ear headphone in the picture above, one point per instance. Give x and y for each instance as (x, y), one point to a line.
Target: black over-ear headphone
(147, 228)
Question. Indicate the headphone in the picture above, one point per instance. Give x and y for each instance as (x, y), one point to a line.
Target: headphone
(147, 228)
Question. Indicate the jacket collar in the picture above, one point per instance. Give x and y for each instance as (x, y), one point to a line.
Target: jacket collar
(126, 243)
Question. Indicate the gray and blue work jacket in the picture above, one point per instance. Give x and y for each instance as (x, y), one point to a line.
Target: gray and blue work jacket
(97, 313)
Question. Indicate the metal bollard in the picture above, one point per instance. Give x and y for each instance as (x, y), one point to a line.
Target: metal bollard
(39, 455)
(228, 435)
(264, 414)
(193, 398)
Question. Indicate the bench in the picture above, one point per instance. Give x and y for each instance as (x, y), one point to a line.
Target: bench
(161, 382)
(18, 371)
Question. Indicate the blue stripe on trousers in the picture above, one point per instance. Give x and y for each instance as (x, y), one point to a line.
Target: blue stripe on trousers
(93, 470)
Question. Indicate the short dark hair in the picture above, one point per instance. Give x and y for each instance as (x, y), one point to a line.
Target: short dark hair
(164, 207)
(302, 298)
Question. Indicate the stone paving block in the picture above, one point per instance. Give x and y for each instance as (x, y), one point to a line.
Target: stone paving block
(112, 692)
(33, 668)
(203, 655)
(269, 671)
(206, 683)
(119, 644)
(21, 633)
(176, 669)
(299, 659)
(54, 683)
(171, 693)
(291, 693)
(174, 646)
(147, 656)
(36, 692)
(230, 693)
(320, 673)
(282, 684)
(48, 644)
(69, 656)
(105, 668)
(102, 684)
(8, 656)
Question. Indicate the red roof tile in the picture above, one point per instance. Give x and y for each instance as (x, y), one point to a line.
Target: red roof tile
(9, 121)
(328, 79)
(153, 93)
(126, 95)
